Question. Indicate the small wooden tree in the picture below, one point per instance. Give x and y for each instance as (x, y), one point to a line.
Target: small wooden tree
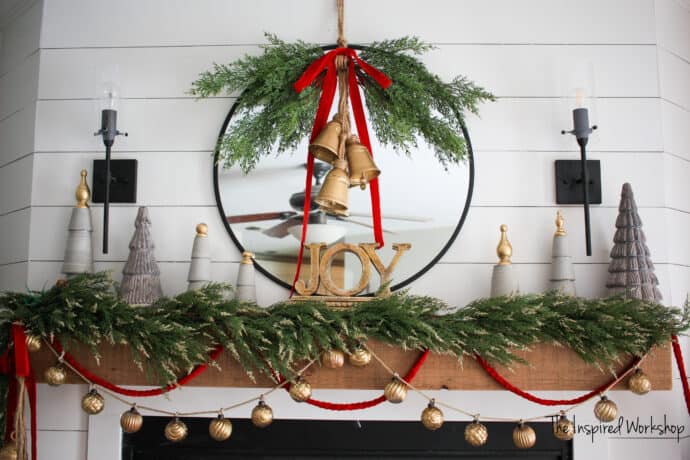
(141, 284)
(631, 271)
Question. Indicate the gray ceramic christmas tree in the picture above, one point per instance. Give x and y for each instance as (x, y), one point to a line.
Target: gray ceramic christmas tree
(200, 266)
(141, 284)
(78, 250)
(503, 278)
(631, 271)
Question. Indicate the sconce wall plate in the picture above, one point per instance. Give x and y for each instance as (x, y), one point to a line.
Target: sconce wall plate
(569, 182)
(123, 184)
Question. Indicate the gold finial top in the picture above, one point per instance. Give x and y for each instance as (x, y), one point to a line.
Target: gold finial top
(504, 250)
(247, 258)
(83, 193)
(560, 230)
(202, 230)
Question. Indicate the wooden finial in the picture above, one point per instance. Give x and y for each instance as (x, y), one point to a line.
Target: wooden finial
(247, 258)
(560, 229)
(202, 230)
(504, 250)
(83, 193)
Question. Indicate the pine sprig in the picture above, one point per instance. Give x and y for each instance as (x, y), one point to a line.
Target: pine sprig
(270, 116)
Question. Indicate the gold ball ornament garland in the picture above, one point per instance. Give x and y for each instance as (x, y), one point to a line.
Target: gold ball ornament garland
(564, 429)
(300, 390)
(333, 359)
(360, 357)
(432, 417)
(262, 415)
(524, 436)
(639, 383)
(220, 428)
(55, 375)
(176, 430)
(33, 343)
(92, 402)
(131, 421)
(476, 434)
(395, 392)
(605, 410)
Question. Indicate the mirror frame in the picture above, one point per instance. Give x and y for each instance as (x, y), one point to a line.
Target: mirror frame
(406, 282)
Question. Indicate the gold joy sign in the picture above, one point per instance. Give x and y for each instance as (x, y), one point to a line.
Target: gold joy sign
(320, 276)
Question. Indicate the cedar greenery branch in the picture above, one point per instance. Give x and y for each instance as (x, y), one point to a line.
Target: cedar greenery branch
(173, 335)
(270, 114)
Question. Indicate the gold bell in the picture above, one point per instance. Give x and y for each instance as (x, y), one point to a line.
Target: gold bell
(332, 197)
(362, 166)
(325, 146)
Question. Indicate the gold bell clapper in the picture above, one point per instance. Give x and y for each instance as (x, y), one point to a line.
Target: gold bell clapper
(325, 146)
(332, 197)
(361, 164)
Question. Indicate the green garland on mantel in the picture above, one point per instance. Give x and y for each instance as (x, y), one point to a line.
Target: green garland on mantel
(271, 114)
(173, 335)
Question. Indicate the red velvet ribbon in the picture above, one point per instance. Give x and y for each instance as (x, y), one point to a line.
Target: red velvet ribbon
(136, 393)
(545, 402)
(361, 404)
(316, 68)
(17, 364)
(681, 370)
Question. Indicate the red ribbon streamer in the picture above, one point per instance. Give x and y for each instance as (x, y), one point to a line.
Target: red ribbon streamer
(136, 393)
(17, 364)
(327, 63)
(361, 404)
(677, 352)
(545, 402)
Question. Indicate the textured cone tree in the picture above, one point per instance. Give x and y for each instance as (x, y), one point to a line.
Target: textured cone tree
(141, 284)
(631, 271)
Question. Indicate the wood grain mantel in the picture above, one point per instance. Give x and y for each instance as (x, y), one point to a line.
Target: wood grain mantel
(551, 368)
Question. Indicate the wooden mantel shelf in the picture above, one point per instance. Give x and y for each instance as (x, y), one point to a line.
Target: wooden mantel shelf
(551, 368)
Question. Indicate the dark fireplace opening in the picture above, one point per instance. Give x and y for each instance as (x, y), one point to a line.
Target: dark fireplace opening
(335, 440)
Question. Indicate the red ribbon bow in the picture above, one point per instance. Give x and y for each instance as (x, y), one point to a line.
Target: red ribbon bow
(327, 63)
(17, 364)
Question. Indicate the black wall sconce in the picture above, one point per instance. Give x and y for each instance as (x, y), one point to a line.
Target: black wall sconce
(108, 131)
(581, 130)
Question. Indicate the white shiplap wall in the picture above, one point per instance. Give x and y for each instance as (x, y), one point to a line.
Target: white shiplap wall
(640, 52)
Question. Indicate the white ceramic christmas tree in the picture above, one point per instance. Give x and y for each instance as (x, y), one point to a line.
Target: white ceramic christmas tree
(504, 279)
(245, 290)
(141, 284)
(631, 271)
(79, 250)
(562, 273)
(200, 267)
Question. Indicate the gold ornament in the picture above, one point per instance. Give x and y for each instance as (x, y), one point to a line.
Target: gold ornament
(83, 194)
(220, 428)
(131, 420)
(92, 402)
(395, 391)
(560, 229)
(33, 343)
(333, 359)
(564, 429)
(432, 417)
(639, 383)
(176, 430)
(605, 410)
(476, 434)
(262, 415)
(360, 357)
(524, 436)
(504, 250)
(325, 146)
(9, 450)
(202, 230)
(300, 390)
(55, 375)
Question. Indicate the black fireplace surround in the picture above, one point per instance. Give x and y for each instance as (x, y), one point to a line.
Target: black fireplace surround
(335, 440)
